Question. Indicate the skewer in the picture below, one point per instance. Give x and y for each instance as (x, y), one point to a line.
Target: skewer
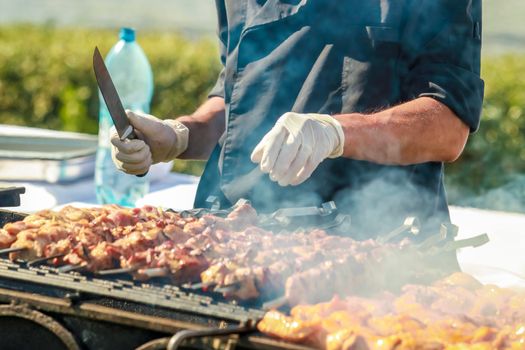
(463, 243)
(434, 239)
(12, 250)
(185, 335)
(275, 303)
(452, 230)
(69, 268)
(200, 285)
(121, 271)
(339, 219)
(469, 242)
(227, 288)
(39, 261)
(215, 203)
(410, 225)
(154, 272)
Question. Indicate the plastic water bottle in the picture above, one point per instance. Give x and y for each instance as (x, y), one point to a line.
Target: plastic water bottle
(131, 73)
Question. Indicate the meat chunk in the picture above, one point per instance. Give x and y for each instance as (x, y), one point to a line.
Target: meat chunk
(6, 238)
(242, 216)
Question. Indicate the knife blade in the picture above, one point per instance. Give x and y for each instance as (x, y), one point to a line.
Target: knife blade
(111, 97)
(113, 103)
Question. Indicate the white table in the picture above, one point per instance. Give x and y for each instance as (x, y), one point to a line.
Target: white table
(43, 195)
(502, 260)
(174, 190)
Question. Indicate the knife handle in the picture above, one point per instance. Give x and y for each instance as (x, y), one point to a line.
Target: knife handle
(133, 136)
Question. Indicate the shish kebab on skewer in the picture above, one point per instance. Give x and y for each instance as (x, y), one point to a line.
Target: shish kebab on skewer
(148, 243)
(95, 239)
(94, 245)
(340, 265)
(344, 270)
(127, 231)
(147, 247)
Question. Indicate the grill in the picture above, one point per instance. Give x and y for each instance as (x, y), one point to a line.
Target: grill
(152, 308)
(65, 309)
(69, 310)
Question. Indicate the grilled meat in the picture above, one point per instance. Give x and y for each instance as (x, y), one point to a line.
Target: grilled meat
(229, 255)
(419, 318)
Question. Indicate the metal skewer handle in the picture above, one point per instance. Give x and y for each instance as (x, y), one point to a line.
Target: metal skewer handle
(179, 337)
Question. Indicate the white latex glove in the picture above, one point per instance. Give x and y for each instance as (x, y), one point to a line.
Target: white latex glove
(296, 145)
(160, 141)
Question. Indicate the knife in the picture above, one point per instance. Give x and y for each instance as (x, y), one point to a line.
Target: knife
(109, 93)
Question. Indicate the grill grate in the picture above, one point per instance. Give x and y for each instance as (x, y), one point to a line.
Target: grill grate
(165, 296)
(117, 290)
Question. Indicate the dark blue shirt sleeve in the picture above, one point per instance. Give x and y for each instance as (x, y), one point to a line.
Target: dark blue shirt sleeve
(441, 44)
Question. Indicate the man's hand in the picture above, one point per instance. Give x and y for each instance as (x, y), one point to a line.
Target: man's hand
(296, 145)
(160, 141)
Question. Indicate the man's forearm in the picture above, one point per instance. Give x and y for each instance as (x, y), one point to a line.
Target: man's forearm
(206, 126)
(418, 131)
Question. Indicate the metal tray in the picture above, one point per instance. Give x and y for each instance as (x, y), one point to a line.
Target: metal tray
(52, 156)
(47, 148)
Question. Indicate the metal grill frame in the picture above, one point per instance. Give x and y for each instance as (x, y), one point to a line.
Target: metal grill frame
(93, 310)
(165, 309)
(164, 296)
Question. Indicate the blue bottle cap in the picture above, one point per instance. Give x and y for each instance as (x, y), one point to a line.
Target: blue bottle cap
(127, 34)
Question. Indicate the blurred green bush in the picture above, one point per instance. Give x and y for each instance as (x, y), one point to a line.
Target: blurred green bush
(495, 155)
(46, 81)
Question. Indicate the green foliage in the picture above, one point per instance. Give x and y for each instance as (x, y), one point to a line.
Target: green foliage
(46, 81)
(495, 154)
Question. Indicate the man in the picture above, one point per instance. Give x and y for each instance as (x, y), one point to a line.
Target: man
(355, 101)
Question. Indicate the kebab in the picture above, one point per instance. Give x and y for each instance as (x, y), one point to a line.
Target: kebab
(179, 255)
(286, 251)
(116, 221)
(95, 252)
(75, 233)
(367, 271)
(146, 245)
(155, 242)
(268, 269)
(187, 253)
(416, 319)
(298, 270)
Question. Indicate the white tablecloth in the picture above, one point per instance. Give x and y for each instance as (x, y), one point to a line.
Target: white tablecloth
(173, 190)
(501, 261)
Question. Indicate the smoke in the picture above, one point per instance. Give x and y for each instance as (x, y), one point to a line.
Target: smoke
(384, 202)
